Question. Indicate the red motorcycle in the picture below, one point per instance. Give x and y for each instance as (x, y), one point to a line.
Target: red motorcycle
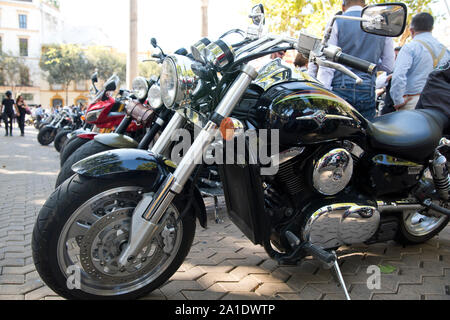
(105, 114)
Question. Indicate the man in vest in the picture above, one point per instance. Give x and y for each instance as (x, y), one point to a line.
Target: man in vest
(347, 34)
(415, 62)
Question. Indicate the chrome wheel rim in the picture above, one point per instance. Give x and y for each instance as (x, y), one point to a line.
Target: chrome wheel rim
(98, 231)
(420, 225)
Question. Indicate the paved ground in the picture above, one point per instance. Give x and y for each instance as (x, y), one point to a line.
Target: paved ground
(222, 263)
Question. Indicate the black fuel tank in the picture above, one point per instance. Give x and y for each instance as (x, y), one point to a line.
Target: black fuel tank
(306, 113)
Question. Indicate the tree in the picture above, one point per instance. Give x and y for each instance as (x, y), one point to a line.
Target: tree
(312, 16)
(107, 62)
(148, 69)
(64, 64)
(14, 72)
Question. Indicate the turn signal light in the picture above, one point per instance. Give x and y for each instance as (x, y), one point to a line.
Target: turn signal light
(230, 128)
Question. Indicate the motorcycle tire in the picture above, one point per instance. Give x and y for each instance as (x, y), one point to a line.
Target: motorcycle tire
(87, 150)
(61, 139)
(58, 219)
(46, 136)
(406, 234)
(70, 147)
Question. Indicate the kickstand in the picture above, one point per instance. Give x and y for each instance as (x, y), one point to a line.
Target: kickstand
(340, 277)
(218, 219)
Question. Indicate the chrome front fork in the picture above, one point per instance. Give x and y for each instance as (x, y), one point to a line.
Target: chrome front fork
(150, 211)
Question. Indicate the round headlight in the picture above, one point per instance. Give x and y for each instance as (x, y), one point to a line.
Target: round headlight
(154, 97)
(177, 81)
(168, 82)
(140, 87)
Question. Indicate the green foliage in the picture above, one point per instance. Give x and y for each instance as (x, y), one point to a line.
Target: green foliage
(148, 69)
(107, 62)
(54, 3)
(64, 64)
(312, 16)
(13, 71)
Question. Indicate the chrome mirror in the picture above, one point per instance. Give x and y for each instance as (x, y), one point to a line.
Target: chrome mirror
(257, 15)
(388, 19)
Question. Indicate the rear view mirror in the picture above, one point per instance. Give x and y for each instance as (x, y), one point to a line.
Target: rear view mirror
(94, 77)
(257, 15)
(388, 19)
(154, 43)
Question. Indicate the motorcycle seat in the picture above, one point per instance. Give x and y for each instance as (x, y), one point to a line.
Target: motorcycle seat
(410, 135)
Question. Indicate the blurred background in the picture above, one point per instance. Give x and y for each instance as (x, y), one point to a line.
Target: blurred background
(49, 48)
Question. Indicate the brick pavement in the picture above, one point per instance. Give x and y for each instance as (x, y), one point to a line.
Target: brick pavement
(222, 264)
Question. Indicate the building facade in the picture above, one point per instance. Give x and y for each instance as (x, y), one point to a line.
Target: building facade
(25, 25)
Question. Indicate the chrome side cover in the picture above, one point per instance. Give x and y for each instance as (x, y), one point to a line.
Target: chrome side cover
(333, 172)
(341, 224)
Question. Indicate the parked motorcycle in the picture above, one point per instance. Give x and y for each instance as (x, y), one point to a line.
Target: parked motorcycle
(137, 111)
(75, 124)
(126, 220)
(104, 114)
(48, 132)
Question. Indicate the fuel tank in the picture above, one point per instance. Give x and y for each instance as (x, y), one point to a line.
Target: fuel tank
(305, 113)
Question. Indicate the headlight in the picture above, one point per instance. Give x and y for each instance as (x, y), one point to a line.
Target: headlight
(177, 80)
(154, 97)
(219, 54)
(93, 115)
(140, 87)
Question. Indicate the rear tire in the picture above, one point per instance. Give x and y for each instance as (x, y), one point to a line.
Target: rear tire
(70, 147)
(85, 151)
(410, 234)
(52, 252)
(46, 136)
(61, 139)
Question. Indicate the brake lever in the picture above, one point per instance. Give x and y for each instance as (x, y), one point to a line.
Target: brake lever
(328, 64)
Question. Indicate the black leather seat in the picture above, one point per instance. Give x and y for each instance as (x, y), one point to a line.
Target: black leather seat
(410, 135)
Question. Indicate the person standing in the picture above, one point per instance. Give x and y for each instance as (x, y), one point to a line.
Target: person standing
(415, 62)
(21, 109)
(8, 113)
(347, 34)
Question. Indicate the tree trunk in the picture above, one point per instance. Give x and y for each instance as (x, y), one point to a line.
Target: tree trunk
(205, 4)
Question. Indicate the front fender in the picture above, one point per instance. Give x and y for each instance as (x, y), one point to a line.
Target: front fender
(115, 140)
(113, 164)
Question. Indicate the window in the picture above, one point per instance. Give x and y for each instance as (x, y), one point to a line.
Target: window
(22, 21)
(1, 45)
(23, 46)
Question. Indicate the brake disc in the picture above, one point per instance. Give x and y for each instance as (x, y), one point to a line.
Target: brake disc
(102, 245)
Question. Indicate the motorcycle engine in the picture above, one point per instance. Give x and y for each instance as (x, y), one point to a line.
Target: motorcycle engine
(332, 172)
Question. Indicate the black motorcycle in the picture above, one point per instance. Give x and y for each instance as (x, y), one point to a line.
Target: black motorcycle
(126, 221)
(48, 132)
(75, 124)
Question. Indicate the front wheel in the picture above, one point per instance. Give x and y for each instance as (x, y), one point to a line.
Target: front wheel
(83, 228)
(61, 139)
(46, 136)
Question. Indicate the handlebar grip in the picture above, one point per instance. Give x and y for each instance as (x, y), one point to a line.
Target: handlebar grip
(356, 63)
(319, 253)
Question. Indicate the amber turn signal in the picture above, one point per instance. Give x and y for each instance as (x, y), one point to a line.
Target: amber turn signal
(230, 128)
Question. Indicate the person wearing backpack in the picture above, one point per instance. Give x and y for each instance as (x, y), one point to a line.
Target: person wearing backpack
(415, 62)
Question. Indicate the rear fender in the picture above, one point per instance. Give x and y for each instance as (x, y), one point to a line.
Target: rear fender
(116, 163)
(117, 141)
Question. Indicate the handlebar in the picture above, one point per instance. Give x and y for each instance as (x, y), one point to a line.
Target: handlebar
(355, 63)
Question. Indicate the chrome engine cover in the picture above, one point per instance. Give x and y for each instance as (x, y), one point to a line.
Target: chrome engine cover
(333, 172)
(341, 224)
